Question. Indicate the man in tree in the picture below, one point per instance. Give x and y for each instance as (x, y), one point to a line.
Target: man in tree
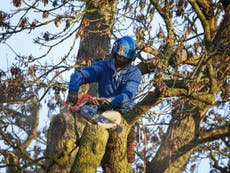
(117, 80)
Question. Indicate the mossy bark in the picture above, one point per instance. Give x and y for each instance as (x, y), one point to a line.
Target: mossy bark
(177, 144)
(61, 146)
(115, 158)
(91, 149)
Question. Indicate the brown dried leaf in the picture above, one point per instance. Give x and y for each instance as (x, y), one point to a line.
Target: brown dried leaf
(46, 36)
(85, 22)
(17, 3)
(218, 118)
(15, 71)
(57, 21)
(81, 33)
(161, 34)
(192, 168)
(23, 22)
(2, 14)
(32, 70)
(45, 2)
(45, 14)
(33, 24)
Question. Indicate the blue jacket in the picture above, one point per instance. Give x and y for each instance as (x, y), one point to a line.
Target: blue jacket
(120, 87)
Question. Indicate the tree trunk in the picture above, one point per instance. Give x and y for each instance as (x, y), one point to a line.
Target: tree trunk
(95, 32)
(177, 144)
(115, 158)
(61, 143)
(91, 149)
(180, 140)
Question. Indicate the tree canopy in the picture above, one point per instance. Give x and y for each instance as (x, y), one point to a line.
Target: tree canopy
(182, 111)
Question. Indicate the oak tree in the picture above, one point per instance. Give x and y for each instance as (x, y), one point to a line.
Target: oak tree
(182, 111)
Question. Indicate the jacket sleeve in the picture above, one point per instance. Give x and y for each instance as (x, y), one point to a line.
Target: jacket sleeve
(129, 91)
(86, 75)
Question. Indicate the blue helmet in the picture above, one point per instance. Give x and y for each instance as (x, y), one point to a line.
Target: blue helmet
(126, 47)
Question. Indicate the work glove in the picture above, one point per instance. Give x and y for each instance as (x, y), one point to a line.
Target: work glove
(72, 97)
(105, 104)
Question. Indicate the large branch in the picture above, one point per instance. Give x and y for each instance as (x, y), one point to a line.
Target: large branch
(207, 136)
(203, 19)
(221, 41)
(35, 113)
(90, 151)
(150, 100)
(34, 117)
(167, 17)
(214, 134)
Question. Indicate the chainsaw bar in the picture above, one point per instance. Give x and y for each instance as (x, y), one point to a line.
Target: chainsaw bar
(107, 119)
(87, 109)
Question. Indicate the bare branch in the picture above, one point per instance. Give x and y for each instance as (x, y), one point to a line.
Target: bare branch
(214, 133)
(203, 19)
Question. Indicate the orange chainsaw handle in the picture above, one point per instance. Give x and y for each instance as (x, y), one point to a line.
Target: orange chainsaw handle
(81, 102)
(73, 107)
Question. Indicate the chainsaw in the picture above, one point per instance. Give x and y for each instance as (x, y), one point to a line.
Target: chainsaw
(87, 107)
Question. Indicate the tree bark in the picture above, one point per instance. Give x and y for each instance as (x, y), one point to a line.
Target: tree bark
(91, 149)
(115, 158)
(181, 139)
(95, 32)
(181, 132)
(61, 143)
